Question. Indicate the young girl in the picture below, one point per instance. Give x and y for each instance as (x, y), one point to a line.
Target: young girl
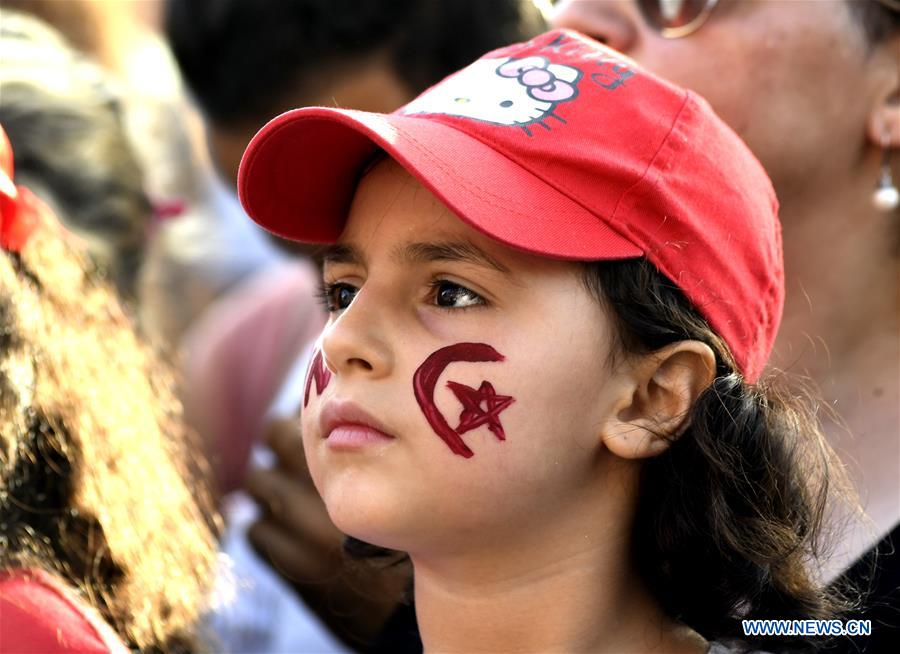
(551, 303)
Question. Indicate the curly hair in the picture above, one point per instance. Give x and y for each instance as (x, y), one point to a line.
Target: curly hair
(731, 517)
(99, 481)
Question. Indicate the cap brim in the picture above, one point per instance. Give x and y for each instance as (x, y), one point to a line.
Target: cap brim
(299, 173)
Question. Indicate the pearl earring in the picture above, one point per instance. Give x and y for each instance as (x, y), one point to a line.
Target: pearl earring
(886, 196)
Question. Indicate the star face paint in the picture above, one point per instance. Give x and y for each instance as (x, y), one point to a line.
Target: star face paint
(319, 373)
(473, 415)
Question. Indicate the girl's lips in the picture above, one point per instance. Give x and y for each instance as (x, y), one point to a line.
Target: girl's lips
(352, 437)
(346, 426)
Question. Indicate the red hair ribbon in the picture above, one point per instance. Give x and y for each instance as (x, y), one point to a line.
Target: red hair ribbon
(19, 208)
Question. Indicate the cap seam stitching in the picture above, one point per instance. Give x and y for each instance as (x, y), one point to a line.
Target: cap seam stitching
(650, 166)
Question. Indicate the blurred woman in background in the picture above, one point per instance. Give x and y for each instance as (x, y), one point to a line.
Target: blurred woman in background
(64, 117)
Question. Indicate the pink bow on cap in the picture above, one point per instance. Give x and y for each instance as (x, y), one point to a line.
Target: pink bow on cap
(541, 83)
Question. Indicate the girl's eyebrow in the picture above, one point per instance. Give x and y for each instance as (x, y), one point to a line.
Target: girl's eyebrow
(462, 251)
(420, 252)
(339, 253)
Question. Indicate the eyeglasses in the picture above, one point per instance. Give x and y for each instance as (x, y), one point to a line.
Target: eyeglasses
(676, 18)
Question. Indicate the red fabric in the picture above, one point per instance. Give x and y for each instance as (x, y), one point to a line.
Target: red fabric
(18, 207)
(37, 616)
(595, 159)
(6, 154)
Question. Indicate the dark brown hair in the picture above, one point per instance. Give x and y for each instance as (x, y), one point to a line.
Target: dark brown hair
(95, 485)
(878, 20)
(243, 60)
(730, 518)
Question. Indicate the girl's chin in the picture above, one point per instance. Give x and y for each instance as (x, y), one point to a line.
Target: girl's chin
(368, 516)
(373, 534)
(390, 524)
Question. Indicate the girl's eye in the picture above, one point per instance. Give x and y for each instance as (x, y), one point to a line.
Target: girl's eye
(337, 297)
(450, 295)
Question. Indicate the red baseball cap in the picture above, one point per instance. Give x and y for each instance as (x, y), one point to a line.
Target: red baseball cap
(563, 148)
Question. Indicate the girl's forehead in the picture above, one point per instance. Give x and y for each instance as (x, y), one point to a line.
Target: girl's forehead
(393, 216)
(388, 194)
(392, 212)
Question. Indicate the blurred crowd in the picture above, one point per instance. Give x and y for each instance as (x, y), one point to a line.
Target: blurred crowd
(154, 341)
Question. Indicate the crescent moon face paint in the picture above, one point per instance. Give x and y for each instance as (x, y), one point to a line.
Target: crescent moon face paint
(319, 373)
(481, 406)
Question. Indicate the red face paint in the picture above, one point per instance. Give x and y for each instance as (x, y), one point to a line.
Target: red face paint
(318, 372)
(472, 416)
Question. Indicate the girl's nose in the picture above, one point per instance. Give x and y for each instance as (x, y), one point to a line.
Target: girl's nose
(356, 343)
(614, 23)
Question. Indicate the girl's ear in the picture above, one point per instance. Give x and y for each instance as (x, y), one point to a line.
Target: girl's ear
(655, 392)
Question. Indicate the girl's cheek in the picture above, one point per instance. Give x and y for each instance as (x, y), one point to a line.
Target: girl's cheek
(311, 439)
(318, 377)
(436, 323)
(478, 404)
(309, 418)
(451, 326)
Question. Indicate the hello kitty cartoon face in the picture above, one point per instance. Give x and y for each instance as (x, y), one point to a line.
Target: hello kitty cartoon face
(515, 92)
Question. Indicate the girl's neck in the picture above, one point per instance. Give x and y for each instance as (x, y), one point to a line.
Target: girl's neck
(569, 595)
